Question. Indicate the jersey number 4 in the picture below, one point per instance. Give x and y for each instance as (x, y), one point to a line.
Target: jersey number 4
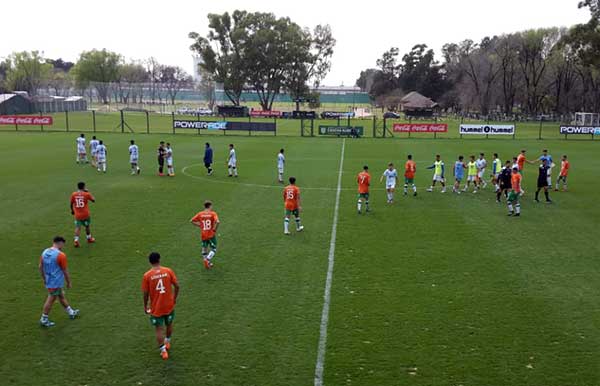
(160, 287)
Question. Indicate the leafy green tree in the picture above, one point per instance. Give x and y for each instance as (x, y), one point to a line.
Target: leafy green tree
(221, 52)
(174, 79)
(98, 68)
(27, 71)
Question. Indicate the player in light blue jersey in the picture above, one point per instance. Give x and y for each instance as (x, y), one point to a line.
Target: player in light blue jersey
(54, 272)
(391, 178)
(459, 173)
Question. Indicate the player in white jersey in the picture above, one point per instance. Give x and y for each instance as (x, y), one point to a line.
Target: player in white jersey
(134, 153)
(232, 162)
(101, 153)
(280, 165)
(169, 157)
(391, 178)
(93, 146)
(81, 153)
(481, 164)
(496, 170)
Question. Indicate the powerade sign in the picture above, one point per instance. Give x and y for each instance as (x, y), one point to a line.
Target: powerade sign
(185, 124)
(588, 130)
(223, 125)
(487, 129)
(341, 130)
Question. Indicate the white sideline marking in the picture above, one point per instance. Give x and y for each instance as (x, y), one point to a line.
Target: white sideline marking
(327, 295)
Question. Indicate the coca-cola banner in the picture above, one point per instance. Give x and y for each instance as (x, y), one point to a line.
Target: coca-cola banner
(26, 120)
(420, 127)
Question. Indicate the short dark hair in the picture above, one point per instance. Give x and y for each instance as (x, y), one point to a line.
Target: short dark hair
(496, 155)
(231, 145)
(94, 137)
(162, 142)
(82, 135)
(207, 144)
(410, 156)
(207, 204)
(154, 257)
(168, 144)
(58, 239)
(101, 142)
(292, 180)
(132, 141)
(365, 167)
(81, 185)
(281, 150)
(460, 157)
(545, 151)
(481, 154)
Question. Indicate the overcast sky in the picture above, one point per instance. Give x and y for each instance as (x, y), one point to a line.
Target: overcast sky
(363, 29)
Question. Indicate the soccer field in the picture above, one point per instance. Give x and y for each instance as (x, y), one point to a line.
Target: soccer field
(437, 289)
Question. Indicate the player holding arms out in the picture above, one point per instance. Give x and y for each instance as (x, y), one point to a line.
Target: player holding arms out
(438, 173)
(134, 152)
(54, 272)
(410, 168)
(481, 164)
(81, 211)
(101, 153)
(208, 222)
(81, 154)
(459, 173)
(564, 172)
(471, 175)
(496, 169)
(514, 207)
(160, 289)
(364, 182)
(93, 151)
(504, 181)
(292, 203)
(169, 158)
(232, 162)
(280, 165)
(391, 178)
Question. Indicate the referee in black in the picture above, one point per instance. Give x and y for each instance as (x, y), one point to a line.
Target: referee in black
(161, 153)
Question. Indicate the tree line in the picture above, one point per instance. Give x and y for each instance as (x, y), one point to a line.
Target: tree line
(100, 74)
(538, 71)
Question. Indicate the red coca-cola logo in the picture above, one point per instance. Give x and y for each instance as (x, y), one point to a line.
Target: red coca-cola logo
(26, 120)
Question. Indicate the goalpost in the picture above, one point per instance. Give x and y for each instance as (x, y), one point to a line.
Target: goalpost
(587, 119)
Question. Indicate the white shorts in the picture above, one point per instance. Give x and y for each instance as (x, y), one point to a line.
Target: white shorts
(280, 170)
(470, 178)
(133, 160)
(94, 154)
(81, 150)
(481, 173)
(390, 185)
(437, 177)
(549, 180)
(232, 164)
(170, 161)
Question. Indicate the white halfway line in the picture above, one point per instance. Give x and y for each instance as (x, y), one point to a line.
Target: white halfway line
(327, 295)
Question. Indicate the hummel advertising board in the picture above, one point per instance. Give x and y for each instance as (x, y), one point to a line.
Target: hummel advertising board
(487, 129)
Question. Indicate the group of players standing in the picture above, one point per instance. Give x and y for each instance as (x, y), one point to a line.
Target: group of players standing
(506, 178)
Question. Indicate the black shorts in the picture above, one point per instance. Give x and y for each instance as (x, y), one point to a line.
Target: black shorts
(207, 164)
(161, 161)
(542, 183)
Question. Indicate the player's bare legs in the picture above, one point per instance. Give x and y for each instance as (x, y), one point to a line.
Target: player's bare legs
(168, 336)
(76, 238)
(160, 339)
(65, 303)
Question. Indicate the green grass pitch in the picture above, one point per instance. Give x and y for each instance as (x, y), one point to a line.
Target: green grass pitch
(437, 289)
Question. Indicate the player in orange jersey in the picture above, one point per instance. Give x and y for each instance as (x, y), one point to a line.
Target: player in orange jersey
(410, 168)
(364, 182)
(81, 211)
(208, 222)
(160, 288)
(564, 172)
(291, 198)
(514, 207)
